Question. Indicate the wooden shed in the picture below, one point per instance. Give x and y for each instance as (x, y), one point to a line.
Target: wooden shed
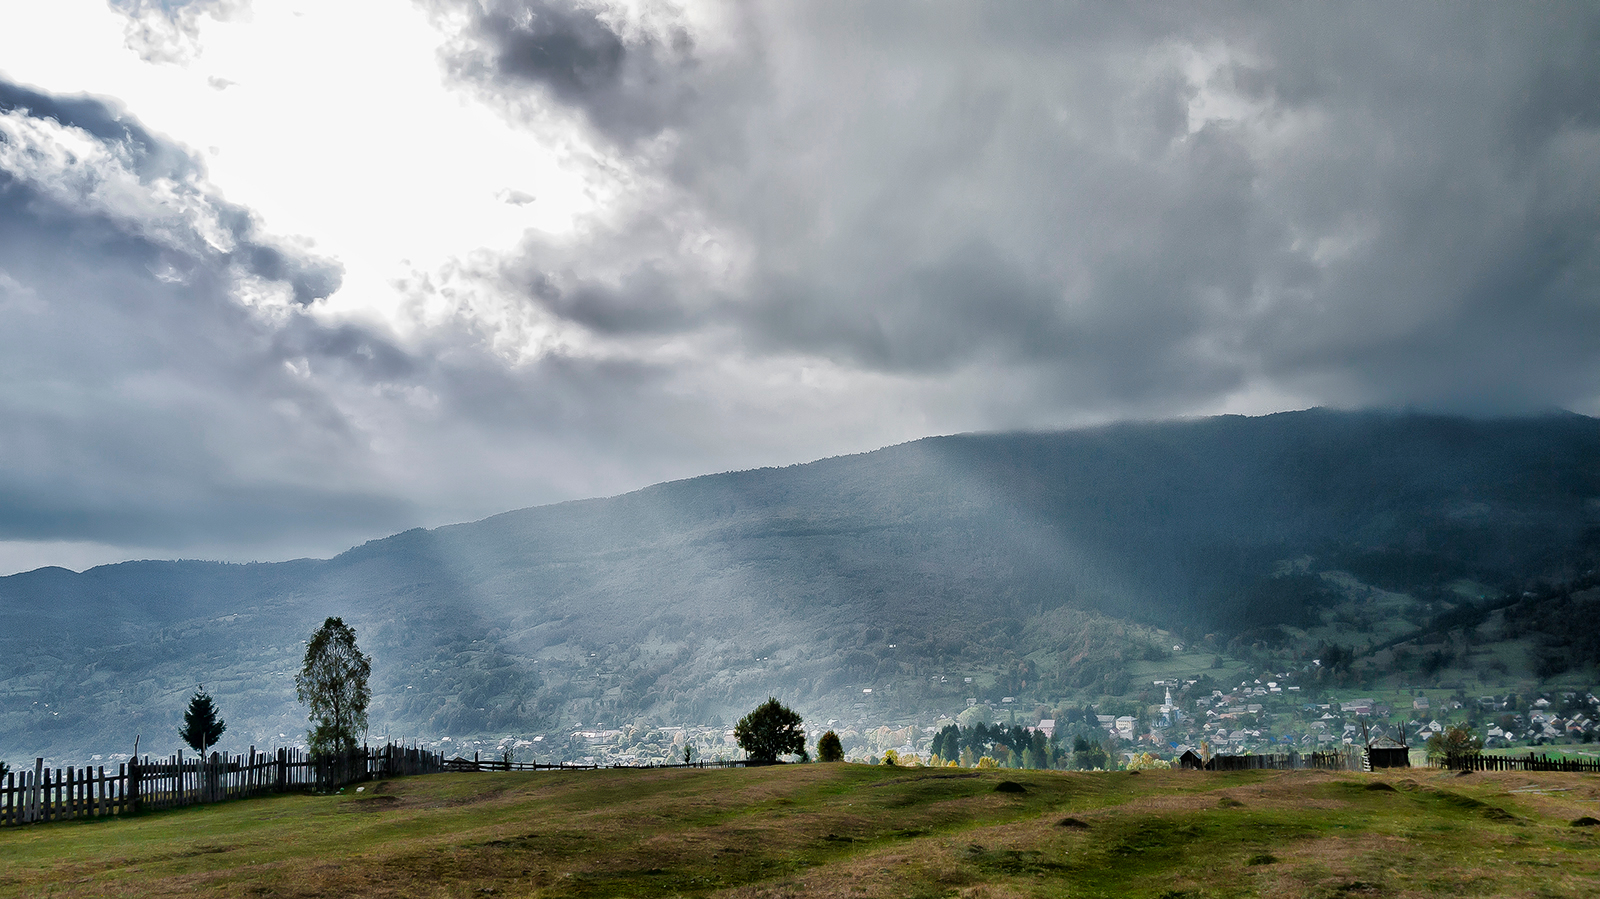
(1386, 752)
(1190, 761)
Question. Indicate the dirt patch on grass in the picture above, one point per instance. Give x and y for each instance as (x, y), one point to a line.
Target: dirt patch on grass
(1189, 802)
(1423, 864)
(970, 775)
(369, 804)
(922, 872)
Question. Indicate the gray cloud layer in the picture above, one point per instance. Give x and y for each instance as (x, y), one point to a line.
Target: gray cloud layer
(169, 382)
(628, 83)
(1151, 208)
(834, 226)
(134, 373)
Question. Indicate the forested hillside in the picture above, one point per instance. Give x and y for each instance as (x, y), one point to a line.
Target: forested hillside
(1042, 565)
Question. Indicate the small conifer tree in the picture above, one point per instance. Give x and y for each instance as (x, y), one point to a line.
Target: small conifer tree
(202, 726)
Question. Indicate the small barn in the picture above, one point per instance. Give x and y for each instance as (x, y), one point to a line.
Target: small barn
(1386, 752)
(1189, 761)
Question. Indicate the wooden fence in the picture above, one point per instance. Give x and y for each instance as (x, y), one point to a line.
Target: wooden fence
(1330, 761)
(477, 763)
(1473, 761)
(61, 794)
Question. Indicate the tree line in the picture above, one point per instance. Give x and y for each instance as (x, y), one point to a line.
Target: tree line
(1014, 747)
(332, 683)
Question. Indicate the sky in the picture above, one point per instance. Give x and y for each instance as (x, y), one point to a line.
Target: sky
(281, 276)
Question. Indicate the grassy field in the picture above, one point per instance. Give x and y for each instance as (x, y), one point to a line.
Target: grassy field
(848, 831)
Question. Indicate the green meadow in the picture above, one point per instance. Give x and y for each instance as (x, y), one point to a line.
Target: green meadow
(848, 831)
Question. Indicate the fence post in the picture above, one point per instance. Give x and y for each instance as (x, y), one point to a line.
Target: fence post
(38, 787)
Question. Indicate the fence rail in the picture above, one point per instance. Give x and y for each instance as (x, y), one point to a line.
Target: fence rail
(45, 794)
(1473, 761)
(493, 764)
(1328, 761)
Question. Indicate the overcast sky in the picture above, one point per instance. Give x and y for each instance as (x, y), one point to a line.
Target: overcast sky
(279, 276)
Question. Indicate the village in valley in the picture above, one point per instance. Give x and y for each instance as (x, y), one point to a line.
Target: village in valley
(1268, 714)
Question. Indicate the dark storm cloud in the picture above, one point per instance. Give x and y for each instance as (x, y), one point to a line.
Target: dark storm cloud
(1147, 208)
(629, 282)
(309, 280)
(627, 85)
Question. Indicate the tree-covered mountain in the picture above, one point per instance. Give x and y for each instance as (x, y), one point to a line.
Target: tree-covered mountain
(1041, 565)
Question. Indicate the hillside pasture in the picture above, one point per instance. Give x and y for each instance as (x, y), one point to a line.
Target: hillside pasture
(847, 831)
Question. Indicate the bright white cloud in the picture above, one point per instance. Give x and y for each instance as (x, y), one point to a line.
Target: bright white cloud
(332, 122)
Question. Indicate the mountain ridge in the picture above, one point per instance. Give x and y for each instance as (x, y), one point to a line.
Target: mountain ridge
(687, 600)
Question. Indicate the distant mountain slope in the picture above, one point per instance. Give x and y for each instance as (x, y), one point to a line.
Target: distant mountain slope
(692, 599)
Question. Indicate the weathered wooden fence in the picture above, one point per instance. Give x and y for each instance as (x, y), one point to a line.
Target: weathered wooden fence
(1330, 761)
(477, 763)
(1473, 761)
(44, 794)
